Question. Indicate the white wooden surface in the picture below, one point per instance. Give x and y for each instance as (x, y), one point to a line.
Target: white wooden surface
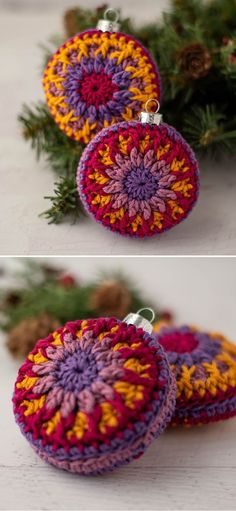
(211, 228)
(185, 469)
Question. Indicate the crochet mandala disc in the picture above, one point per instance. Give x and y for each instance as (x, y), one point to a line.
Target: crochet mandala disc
(93, 395)
(97, 79)
(138, 179)
(204, 365)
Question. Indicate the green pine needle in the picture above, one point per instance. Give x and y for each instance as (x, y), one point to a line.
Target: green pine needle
(65, 201)
(204, 128)
(203, 109)
(38, 293)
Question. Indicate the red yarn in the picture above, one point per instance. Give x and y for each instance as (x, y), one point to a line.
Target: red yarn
(97, 89)
(138, 179)
(184, 344)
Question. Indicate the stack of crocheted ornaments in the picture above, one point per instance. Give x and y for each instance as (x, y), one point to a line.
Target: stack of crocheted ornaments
(94, 394)
(204, 365)
(135, 178)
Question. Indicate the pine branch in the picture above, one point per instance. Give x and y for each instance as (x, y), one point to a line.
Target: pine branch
(205, 128)
(202, 107)
(39, 295)
(47, 139)
(65, 201)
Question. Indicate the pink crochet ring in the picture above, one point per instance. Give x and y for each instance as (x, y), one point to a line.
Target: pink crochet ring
(138, 179)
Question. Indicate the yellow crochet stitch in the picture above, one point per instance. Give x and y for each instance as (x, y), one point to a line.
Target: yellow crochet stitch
(97, 79)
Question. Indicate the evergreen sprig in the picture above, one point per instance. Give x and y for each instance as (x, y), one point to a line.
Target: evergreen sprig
(40, 288)
(48, 140)
(65, 201)
(202, 107)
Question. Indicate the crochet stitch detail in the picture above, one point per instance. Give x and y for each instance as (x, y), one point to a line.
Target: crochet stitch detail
(138, 179)
(204, 365)
(97, 79)
(93, 395)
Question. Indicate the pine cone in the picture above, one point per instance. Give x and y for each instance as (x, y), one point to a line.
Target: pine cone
(111, 298)
(11, 299)
(70, 22)
(195, 61)
(22, 337)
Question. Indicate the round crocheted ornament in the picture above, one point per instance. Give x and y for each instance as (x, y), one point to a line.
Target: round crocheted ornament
(204, 365)
(138, 178)
(93, 395)
(98, 78)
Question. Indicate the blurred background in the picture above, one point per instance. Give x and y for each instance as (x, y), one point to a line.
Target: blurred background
(38, 295)
(55, 8)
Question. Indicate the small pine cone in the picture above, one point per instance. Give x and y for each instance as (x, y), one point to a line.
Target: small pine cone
(12, 299)
(111, 298)
(195, 61)
(70, 22)
(22, 337)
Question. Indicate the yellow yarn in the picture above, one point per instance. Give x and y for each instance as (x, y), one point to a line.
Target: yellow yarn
(33, 406)
(80, 426)
(51, 425)
(109, 417)
(27, 382)
(129, 392)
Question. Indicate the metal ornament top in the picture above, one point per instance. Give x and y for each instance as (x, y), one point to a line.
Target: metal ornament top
(110, 21)
(151, 117)
(139, 321)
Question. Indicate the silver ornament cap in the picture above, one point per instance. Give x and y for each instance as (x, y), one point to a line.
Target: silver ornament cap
(139, 321)
(110, 21)
(151, 117)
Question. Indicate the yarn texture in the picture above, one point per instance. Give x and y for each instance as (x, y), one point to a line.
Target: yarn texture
(204, 365)
(138, 179)
(93, 395)
(97, 79)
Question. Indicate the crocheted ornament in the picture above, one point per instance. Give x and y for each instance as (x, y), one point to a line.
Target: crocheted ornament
(138, 178)
(97, 78)
(204, 365)
(94, 394)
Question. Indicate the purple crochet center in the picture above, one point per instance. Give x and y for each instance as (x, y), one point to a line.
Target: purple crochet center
(77, 368)
(77, 371)
(140, 184)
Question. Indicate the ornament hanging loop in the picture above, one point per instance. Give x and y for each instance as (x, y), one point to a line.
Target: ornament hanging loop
(140, 321)
(110, 21)
(148, 102)
(150, 311)
(150, 116)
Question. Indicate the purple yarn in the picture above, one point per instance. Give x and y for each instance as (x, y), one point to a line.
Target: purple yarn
(79, 374)
(157, 425)
(78, 371)
(107, 110)
(140, 184)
